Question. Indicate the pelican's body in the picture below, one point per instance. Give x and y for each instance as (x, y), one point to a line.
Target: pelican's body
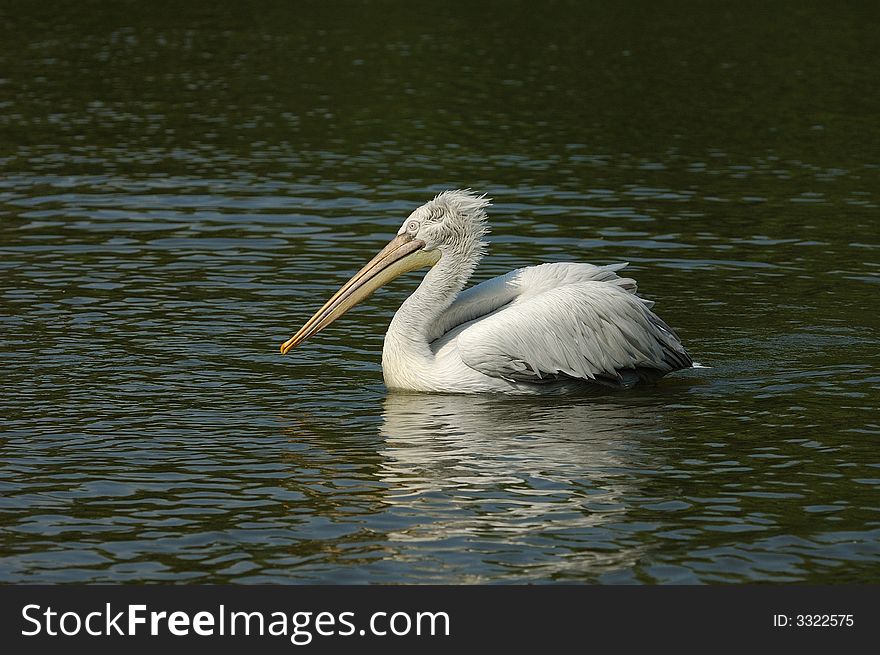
(543, 329)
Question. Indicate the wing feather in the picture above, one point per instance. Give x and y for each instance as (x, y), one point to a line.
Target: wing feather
(520, 285)
(596, 331)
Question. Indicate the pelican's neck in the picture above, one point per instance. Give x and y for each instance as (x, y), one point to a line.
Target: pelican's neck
(433, 296)
(408, 337)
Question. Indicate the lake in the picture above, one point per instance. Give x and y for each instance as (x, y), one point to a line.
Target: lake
(181, 186)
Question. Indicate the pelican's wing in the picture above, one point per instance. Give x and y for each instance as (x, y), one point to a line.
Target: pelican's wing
(519, 286)
(596, 331)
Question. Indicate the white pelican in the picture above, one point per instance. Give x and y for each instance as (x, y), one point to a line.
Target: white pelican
(542, 329)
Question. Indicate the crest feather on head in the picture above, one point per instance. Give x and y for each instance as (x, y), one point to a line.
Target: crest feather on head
(462, 213)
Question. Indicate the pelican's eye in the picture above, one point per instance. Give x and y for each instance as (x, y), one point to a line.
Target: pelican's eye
(412, 227)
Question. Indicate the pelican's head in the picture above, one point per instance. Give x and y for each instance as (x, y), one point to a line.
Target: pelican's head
(451, 225)
(454, 221)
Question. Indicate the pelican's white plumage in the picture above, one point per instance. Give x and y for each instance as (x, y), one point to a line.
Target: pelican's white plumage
(547, 328)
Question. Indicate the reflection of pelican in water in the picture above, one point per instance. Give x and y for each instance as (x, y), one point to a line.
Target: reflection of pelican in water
(516, 483)
(540, 329)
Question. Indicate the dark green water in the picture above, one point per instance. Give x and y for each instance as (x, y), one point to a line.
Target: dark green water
(182, 185)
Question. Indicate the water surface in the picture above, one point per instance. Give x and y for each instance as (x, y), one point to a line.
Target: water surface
(181, 186)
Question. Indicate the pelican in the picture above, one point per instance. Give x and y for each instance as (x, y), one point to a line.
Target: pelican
(551, 328)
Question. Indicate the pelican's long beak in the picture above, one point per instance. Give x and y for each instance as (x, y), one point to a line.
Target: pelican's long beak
(402, 255)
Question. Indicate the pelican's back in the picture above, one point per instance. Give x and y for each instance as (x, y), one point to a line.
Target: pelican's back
(560, 321)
